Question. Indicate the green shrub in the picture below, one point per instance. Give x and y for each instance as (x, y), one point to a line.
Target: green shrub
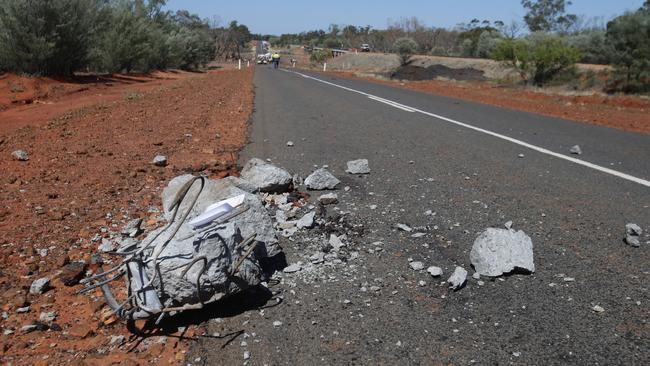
(629, 36)
(320, 56)
(49, 37)
(405, 47)
(539, 58)
(593, 46)
(487, 42)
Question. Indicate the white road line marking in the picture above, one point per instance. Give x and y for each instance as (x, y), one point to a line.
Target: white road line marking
(391, 103)
(542, 150)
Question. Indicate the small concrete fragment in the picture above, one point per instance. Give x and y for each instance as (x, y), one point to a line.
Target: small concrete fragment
(321, 179)
(329, 199)
(307, 221)
(633, 229)
(266, 177)
(48, 317)
(575, 150)
(159, 160)
(335, 242)
(435, 271)
(404, 227)
(458, 278)
(359, 166)
(290, 143)
(292, 268)
(417, 266)
(39, 286)
(20, 155)
(499, 251)
(132, 228)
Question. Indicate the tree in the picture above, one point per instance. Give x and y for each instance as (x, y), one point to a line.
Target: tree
(547, 15)
(539, 58)
(46, 37)
(405, 47)
(629, 36)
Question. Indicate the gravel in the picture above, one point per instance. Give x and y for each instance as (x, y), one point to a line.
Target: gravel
(39, 286)
(359, 166)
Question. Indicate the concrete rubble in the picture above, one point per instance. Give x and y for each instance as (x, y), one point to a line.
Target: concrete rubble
(633, 235)
(499, 251)
(359, 166)
(20, 155)
(159, 160)
(576, 150)
(266, 177)
(328, 199)
(457, 279)
(321, 179)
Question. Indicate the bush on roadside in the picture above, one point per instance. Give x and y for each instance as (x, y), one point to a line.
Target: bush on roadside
(405, 48)
(629, 36)
(538, 58)
(487, 42)
(46, 37)
(59, 37)
(592, 45)
(320, 56)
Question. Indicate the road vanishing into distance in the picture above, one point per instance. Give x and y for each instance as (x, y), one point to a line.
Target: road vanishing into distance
(471, 166)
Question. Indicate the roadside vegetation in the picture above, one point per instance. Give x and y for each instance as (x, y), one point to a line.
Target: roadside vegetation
(544, 47)
(60, 37)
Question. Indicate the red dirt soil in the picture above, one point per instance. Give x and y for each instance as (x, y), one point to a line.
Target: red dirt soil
(631, 113)
(89, 172)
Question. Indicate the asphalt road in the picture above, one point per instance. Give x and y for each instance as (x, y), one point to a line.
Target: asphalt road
(574, 211)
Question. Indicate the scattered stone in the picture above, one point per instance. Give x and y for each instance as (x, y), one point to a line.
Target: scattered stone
(317, 258)
(72, 273)
(458, 278)
(247, 355)
(39, 286)
(48, 317)
(277, 323)
(266, 177)
(329, 199)
(117, 340)
(508, 225)
(520, 155)
(422, 283)
(404, 227)
(598, 309)
(576, 150)
(435, 271)
(335, 242)
(359, 166)
(307, 221)
(321, 179)
(499, 251)
(418, 235)
(375, 288)
(417, 266)
(20, 155)
(633, 235)
(159, 160)
(292, 268)
(28, 328)
(290, 143)
(132, 228)
(23, 310)
(106, 246)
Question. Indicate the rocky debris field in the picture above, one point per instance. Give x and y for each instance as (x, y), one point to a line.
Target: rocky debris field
(87, 175)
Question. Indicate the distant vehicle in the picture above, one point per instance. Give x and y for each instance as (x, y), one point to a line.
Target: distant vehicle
(264, 59)
(365, 47)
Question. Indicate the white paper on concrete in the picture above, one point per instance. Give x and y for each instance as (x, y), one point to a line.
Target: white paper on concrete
(217, 210)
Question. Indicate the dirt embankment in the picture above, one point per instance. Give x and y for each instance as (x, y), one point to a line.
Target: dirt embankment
(89, 172)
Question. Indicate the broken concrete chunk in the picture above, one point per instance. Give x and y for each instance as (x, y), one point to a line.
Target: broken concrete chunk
(458, 278)
(435, 271)
(290, 143)
(404, 227)
(335, 242)
(132, 229)
(321, 179)
(307, 221)
(329, 199)
(633, 229)
(39, 286)
(266, 177)
(576, 150)
(359, 166)
(499, 251)
(417, 266)
(159, 160)
(292, 268)
(632, 241)
(20, 155)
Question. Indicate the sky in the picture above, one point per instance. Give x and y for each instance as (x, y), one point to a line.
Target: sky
(291, 16)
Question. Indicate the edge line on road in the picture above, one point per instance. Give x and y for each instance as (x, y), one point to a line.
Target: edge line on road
(539, 149)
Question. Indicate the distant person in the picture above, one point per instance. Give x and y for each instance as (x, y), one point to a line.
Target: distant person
(276, 60)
